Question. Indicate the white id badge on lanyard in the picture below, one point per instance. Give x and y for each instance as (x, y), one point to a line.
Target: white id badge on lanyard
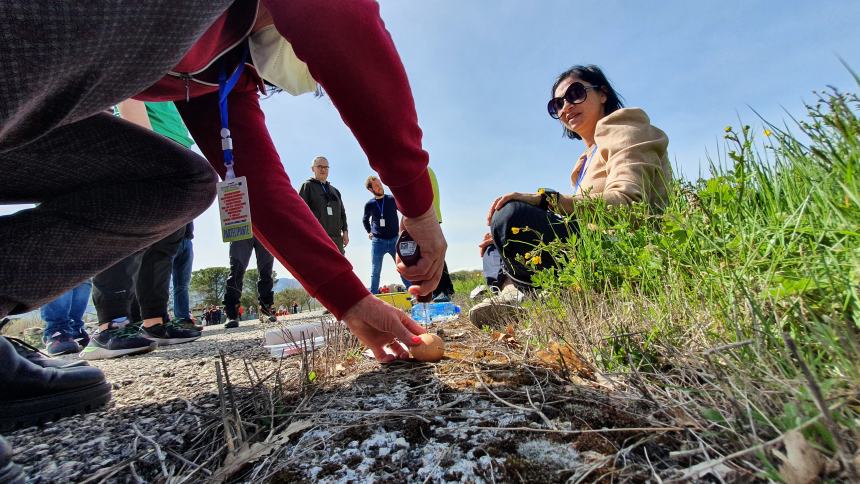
(235, 209)
(328, 210)
(382, 222)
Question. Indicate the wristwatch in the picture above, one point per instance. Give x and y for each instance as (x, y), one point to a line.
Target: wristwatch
(548, 199)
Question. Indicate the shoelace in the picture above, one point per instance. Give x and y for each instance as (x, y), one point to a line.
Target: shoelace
(125, 331)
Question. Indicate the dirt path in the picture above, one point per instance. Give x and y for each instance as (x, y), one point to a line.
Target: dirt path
(492, 411)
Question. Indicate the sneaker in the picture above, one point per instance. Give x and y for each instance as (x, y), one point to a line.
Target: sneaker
(233, 323)
(267, 310)
(169, 333)
(498, 311)
(83, 338)
(188, 323)
(35, 355)
(116, 341)
(60, 343)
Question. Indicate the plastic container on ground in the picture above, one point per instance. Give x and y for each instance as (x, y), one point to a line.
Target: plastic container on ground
(292, 340)
(435, 312)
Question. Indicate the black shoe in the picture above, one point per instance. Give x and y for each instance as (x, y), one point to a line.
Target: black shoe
(32, 395)
(117, 341)
(233, 323)
(268, 310)
(10, 472)
(34, 355)
(169, 333)
(60, 343)
(83, 338)
(188, 323)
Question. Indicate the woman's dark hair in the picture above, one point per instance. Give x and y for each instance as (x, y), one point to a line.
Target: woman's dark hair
(590, 74)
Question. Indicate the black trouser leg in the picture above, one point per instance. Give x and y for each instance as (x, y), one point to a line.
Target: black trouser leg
(153, 278)
(533, 225)
(265, 262)
(113, 289)
(240, 255)
(446, 286)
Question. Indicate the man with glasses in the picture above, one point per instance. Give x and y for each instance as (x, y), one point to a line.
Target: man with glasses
(326, 203)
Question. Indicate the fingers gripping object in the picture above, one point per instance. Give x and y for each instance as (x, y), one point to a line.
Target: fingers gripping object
(410, 254)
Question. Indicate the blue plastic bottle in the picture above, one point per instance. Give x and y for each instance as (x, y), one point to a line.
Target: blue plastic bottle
(423, 312)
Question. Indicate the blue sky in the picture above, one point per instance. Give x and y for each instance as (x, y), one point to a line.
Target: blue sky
(481, 72)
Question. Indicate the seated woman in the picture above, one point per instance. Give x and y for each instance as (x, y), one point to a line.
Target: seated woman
(625, 161)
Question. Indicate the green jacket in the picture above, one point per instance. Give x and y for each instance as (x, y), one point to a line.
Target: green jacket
(319, 198)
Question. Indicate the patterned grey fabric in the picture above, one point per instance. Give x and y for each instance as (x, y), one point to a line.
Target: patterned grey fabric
(104, 187)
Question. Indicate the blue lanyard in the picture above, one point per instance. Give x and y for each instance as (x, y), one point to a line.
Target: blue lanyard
(582, 170)
(226, 85)
(381, 207)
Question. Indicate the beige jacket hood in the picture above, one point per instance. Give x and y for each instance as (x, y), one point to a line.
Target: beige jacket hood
(631, 163)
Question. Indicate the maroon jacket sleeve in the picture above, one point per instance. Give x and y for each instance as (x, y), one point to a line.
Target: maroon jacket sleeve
(351, 54)
(282, 220)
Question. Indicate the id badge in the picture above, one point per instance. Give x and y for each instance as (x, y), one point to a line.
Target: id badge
(328, 210)
(235, 209)
(382, 222)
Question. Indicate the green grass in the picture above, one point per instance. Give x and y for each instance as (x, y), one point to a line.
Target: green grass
(747, 279)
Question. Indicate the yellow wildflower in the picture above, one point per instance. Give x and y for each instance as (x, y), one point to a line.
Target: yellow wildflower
(727, 129)
(515, 230)
(768, 132)
(536, 260)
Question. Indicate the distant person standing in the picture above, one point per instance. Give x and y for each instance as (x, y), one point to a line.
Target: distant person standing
(326, 203)
(382, 225)
(240, 255)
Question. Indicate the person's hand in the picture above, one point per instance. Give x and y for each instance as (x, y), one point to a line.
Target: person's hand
(425, 274)
(378, 324)
(530, 198)
(370, 236)
(345, 238)
(488, 241)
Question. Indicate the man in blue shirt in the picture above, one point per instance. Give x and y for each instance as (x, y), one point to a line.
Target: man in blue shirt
(382, 225)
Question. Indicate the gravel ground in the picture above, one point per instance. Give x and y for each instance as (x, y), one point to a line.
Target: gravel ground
(486, 413)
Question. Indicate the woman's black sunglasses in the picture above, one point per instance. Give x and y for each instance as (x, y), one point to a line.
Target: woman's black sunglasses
(575, 94)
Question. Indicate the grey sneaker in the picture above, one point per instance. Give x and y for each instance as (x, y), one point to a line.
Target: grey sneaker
(499, 310)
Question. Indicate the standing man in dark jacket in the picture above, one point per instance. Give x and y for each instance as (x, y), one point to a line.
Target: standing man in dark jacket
(326, 203)
(382, 225)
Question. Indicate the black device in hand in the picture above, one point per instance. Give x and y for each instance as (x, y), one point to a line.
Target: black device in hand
(410, 254)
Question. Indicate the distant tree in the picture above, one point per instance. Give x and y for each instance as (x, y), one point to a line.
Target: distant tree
(298, 294)
(210, 284)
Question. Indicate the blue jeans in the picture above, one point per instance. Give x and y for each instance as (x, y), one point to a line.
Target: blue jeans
(65, 314)
(378, 249)
(182, 278)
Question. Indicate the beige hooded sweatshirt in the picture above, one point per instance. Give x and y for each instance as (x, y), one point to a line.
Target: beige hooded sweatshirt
(631, 163)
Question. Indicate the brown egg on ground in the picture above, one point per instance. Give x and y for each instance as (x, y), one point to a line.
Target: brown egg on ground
(431, 349)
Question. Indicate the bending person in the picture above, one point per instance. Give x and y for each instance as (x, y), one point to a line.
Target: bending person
(334, 38)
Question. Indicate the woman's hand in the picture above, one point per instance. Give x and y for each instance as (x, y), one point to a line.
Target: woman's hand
(488, 241)
(530, 198)
(378, 324)
(425, 274)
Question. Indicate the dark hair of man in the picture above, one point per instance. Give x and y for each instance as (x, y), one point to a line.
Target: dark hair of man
(594, 76)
